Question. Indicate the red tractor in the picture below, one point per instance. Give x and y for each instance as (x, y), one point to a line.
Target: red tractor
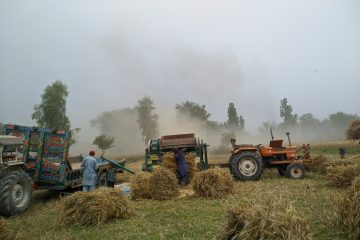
(247, 161)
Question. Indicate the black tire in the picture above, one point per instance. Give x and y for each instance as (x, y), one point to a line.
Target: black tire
(246, 166)
(295, 171)
(102, 180)
(282, 171)
(15, 192)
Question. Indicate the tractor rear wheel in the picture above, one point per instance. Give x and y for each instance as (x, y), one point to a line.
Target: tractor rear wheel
(295, 171)
(15, 192)
(246, 166)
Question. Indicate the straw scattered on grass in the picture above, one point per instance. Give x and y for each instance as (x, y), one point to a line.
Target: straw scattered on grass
(349, 210)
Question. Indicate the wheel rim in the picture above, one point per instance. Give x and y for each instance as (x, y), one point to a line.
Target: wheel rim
(248, 166)
(19, 194)
(296, 172)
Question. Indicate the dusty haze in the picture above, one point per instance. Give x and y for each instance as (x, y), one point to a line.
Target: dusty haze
(110, 54)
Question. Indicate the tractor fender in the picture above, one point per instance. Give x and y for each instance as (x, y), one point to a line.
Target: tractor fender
(14, 167)
(244, 149)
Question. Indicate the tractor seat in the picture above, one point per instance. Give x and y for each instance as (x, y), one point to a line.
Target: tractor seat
(276, 143)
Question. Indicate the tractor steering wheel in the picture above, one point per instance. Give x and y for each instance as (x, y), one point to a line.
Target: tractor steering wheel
(258, 146)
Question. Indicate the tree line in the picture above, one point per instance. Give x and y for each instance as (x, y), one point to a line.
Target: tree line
(51, 113)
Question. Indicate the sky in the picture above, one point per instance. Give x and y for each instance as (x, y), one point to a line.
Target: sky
(112, 53)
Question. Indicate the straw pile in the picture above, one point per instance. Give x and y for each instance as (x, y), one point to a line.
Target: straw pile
(94, 208)
(163, 184)
(342, 176)
(349, 210)
(213, 183)
(169, 163)
(140, 186)
(316, 164)
(267, 220)
(5, 231)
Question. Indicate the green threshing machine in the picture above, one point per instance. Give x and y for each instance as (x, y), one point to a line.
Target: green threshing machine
(158, 147)
(37, 158)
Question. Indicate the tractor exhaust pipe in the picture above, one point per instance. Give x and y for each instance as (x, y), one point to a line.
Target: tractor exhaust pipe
(288, 136)
(272, 135)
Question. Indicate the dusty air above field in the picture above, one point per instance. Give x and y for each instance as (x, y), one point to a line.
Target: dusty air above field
(110, 54)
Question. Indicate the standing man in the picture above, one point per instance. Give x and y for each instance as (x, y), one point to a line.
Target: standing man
(182, 166)
(89, 167)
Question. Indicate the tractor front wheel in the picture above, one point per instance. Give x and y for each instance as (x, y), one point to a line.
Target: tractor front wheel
(103, 181)
(15, 192)
(295, 171)
(246, 166)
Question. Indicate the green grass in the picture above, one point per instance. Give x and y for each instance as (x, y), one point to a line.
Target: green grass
(192, 217)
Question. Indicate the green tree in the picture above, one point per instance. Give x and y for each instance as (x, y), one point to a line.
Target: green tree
(286, 110)
(233, 119)
(193, 110)
(242, 123)
(104, 143)
(308, 120)
(353, 131)
(147, 120)
(51, 112)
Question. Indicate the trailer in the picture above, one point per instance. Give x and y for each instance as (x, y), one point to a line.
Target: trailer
(33, 158)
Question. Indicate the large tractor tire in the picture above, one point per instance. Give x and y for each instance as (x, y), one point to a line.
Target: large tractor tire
(246, 166)
(15, 192)
(295, 171)
(102, 180)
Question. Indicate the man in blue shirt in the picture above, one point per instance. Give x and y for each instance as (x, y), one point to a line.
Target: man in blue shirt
(89, 167)
(182, 167)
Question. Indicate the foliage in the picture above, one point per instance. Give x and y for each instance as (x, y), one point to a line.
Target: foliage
(234, 121)
(265, 127)
(103, 142)
(353, 131)
(226, 136)
(193, 110)
(286, 110)
(233, 118)
(51, 112)
(147, 120)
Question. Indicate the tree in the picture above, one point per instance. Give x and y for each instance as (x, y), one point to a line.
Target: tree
(242, 123)
(226, 136)
(193, 110)
(103, 142)
(341, 119)
(265, 127)
(51, 112)
(286, 110)
(147, 120)
(353, 131)
(233, 119)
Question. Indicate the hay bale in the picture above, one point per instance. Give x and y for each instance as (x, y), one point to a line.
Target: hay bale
(348, 209)
(168, 162)
(268, 220)
(342, 176)
(94, 208)
(140, 186)
(213, 183)
(5, 232)
(163, 184)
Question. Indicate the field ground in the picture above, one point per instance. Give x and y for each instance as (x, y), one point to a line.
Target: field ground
(193, 217)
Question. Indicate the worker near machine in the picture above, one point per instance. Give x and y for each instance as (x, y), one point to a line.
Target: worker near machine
(89, 167)
(182, 167)
(342, 152)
